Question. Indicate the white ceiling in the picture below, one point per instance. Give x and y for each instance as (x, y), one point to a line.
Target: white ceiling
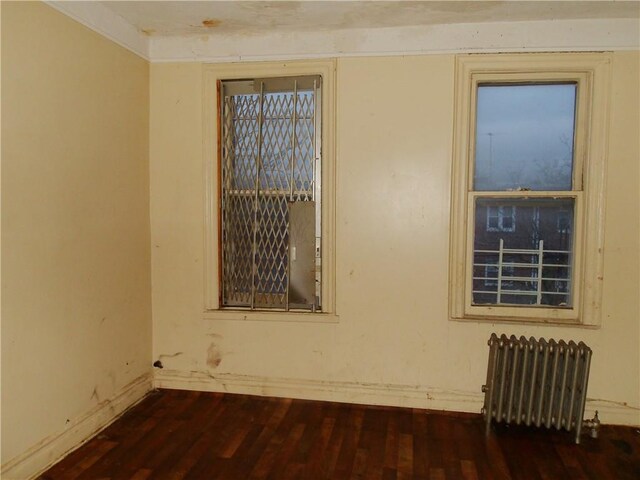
(222, 31)
(170, 18)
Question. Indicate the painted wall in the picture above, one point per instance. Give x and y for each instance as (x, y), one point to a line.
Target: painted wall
(76, 316)
(85, 148)
(393, 342)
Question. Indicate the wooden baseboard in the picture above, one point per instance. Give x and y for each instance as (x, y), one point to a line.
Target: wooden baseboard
(610, 412)
(347, 392)
(48, 451)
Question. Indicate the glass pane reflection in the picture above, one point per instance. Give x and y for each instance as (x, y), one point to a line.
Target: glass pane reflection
(524, 137)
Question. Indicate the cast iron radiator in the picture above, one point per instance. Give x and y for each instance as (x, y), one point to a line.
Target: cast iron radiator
(536, 382)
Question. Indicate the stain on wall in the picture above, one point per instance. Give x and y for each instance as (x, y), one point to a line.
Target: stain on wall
(211, 22)
(94, 395)
(214, 356)
(170, 355)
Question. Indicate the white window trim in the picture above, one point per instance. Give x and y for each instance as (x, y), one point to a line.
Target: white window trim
(592, 72)
(212, 74)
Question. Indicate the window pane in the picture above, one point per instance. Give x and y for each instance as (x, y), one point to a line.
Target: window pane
(268, 167)
(527, 258)
(524, 137)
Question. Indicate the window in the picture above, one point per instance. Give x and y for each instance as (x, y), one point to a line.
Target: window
(501, 218)
(270, 183)
(528, 187)
(271, 202)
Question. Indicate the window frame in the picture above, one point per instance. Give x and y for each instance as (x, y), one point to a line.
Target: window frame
(212, 75)
(591, 73)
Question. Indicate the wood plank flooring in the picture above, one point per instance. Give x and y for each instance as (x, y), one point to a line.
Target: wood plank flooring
(194, 435)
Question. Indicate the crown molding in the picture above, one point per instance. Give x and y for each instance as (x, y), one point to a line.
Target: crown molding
(531, 36)
(100, 19)
(528, 36)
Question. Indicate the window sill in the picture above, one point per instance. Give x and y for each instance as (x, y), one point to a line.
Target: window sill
(553, 322)
(245, 315)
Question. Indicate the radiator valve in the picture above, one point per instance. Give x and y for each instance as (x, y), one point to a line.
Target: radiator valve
(593, 424)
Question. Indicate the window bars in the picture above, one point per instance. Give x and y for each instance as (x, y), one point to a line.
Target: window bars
(522, 276)
(270, 193)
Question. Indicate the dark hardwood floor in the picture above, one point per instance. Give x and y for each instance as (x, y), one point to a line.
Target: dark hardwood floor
(193, 435)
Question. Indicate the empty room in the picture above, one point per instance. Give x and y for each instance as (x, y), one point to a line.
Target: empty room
(320, 239)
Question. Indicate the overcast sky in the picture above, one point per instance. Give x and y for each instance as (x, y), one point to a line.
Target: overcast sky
(524, 137)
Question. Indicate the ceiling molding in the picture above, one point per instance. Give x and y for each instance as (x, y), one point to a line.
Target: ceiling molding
(556, 35)
(522, 36)
(100, 19)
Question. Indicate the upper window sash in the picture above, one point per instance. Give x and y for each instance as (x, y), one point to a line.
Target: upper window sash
(583, 89)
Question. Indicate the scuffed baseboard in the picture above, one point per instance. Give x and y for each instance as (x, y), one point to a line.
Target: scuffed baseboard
(48, 451)
(610, 412)
(346, 392)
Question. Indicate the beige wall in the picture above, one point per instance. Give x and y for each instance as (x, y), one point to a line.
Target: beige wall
(78, 130)
(76, 316)
(393, 342)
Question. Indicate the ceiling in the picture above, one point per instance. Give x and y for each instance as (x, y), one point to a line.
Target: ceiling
(236, 31)
(189, 18)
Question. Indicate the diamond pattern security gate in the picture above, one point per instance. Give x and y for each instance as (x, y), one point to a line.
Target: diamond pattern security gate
(271, 195)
